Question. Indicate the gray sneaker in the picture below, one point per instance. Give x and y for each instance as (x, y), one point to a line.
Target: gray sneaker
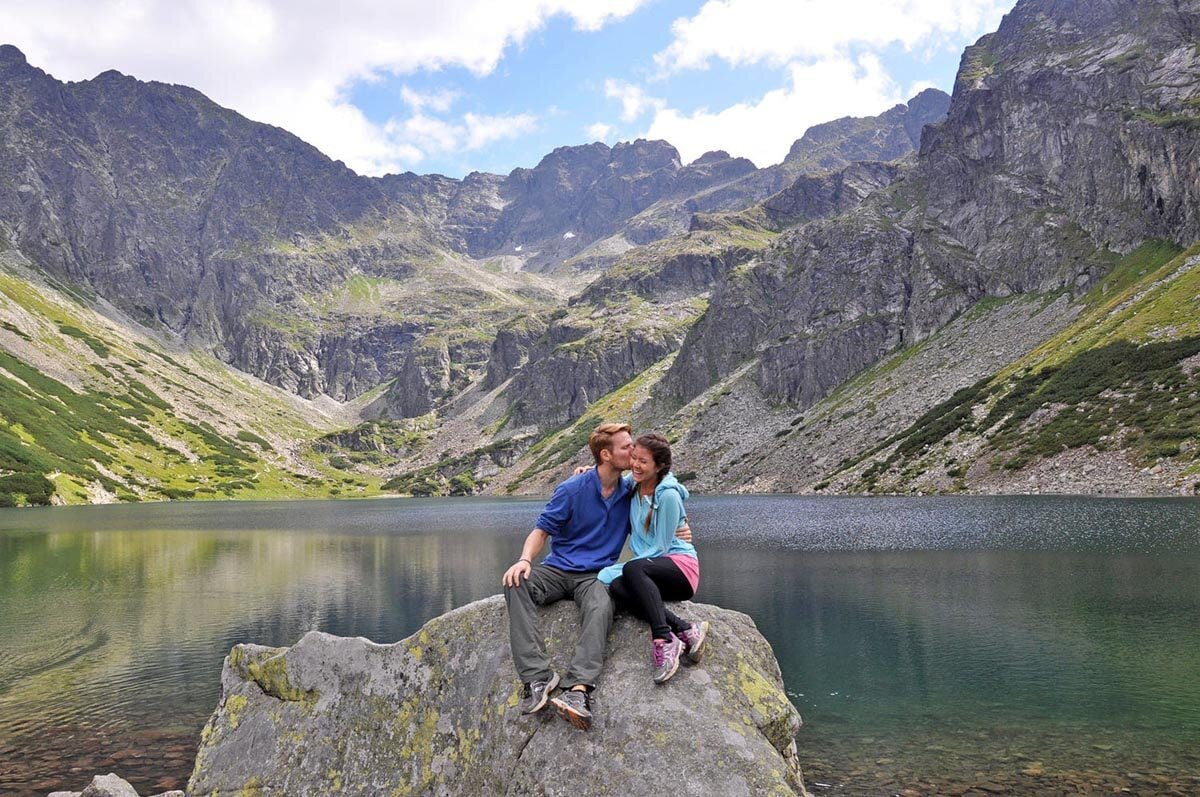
(666, 658)
(693, 641)
(535, 694)
(575, 707)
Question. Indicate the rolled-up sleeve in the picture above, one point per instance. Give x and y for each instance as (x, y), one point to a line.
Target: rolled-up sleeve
(557, 511)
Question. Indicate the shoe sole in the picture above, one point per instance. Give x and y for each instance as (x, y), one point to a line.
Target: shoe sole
(695, 655)
(545, 696)
(570, 715)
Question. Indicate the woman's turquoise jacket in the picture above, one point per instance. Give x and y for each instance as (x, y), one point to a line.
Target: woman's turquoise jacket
(660, 540)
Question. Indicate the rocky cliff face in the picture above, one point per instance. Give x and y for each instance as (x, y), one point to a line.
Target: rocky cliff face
(896, 132)
(436, 714)
(235, 235)
(577, 195)
(1070, 136)
(824, 148)
(192, 218)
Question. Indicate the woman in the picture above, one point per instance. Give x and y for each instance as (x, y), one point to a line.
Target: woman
(664, 567)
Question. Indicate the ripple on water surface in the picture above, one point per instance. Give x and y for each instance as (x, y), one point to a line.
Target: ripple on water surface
(925, 641)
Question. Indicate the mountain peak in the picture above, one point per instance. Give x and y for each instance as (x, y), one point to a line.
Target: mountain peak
(930, 94)
(11, 55)
(112, 75)
(834, 144)
(712, 156)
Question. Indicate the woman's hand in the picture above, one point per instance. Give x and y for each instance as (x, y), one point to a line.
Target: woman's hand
(684, 532)
(582, 469)
(512, 576)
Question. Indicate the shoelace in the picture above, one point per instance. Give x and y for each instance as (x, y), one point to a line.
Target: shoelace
(659, 652)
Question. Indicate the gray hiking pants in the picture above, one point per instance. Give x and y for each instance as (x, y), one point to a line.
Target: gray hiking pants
(547, 585)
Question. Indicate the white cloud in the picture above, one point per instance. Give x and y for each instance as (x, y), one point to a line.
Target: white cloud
(917, 87)
(590, 15)
(293, 62)
(829, 52)
(764, 130)
(437, 101)
(779, 31)
(634, 100)
(429, 135)
(483, 129)
(598, 131)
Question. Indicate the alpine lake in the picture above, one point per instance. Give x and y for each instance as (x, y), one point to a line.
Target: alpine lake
(1020, 645)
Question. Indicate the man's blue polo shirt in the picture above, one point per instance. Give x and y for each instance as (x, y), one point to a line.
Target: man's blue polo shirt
(586, 531)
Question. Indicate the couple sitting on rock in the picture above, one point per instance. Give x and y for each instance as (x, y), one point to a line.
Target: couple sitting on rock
(588, 518)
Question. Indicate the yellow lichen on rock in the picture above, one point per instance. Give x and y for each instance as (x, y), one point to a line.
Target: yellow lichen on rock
(272, 677)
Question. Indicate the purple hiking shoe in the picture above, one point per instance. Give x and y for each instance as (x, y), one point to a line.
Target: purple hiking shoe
(693, 641)
(666, 658)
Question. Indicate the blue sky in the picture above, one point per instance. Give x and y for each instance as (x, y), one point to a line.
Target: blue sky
(559, 75)
(470, 85)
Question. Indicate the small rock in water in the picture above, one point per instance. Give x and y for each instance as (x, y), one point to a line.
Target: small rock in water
(109, 785)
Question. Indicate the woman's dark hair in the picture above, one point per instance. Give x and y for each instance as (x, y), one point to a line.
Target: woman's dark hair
(660, 452)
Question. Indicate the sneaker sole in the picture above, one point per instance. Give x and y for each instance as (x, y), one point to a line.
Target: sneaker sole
(570, 715)
(545, 696)
(695, 655)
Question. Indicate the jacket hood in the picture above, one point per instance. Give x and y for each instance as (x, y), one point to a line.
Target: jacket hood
(669, 482)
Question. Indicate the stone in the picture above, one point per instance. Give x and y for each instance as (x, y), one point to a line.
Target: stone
(109, 785)
(436, 714)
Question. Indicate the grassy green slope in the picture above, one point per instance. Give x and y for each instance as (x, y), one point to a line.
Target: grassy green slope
(1125, 377)
(94, 409)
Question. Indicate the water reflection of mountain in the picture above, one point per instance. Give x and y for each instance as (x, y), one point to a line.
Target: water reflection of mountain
(99, 624)
(999, 622)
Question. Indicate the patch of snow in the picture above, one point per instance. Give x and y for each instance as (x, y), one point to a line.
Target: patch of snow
(518, 248)
(568, 235)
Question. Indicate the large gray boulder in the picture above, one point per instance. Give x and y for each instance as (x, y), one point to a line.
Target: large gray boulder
(437, 714)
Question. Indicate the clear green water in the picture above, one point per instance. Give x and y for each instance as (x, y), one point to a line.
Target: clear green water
(1030, 644)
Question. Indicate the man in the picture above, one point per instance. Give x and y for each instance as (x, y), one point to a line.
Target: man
(587, 518)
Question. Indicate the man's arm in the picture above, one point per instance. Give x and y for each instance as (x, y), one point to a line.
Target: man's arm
(529, 551)
(552, 521)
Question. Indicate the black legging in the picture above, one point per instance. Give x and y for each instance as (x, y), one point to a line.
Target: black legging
(643, 586)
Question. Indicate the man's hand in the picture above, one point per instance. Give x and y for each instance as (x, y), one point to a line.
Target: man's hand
(512, 576)
(684, 532)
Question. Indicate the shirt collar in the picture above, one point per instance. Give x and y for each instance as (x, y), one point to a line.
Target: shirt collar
(621, 490)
